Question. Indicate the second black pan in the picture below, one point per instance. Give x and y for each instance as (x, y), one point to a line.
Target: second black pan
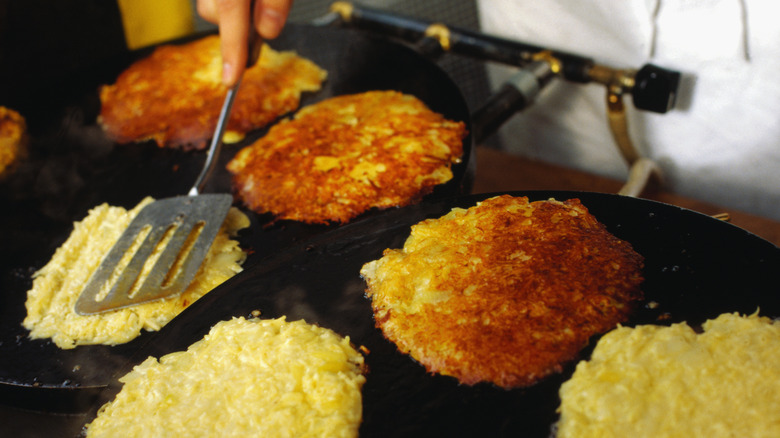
(73, 168)
(696, 267)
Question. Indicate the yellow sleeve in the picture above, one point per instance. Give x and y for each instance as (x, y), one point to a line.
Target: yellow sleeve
(148, 22)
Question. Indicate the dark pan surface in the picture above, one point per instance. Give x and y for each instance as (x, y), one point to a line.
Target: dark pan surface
(696, 268)
(73, 168)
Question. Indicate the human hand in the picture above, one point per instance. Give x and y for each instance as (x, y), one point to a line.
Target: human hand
(232, 18)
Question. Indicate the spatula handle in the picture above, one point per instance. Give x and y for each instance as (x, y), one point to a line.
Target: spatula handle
(216, 142)
(255, 45)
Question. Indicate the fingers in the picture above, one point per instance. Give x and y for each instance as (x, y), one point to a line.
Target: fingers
(270, 17)
(207, 9)
(232, 18)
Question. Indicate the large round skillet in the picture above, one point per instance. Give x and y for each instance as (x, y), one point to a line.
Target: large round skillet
(74, 168)
(696, 267)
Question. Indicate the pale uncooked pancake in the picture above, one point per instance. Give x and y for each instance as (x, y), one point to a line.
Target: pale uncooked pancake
(655, 381)
(56, 287)
(267, 378)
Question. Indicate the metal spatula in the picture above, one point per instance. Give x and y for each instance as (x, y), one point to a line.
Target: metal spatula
(180, 230)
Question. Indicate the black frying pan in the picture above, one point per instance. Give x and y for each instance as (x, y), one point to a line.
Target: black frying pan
(74, 168)
(696, 267)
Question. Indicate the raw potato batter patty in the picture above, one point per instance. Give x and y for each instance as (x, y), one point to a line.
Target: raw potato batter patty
(503, 292)
(343, 156)
(267, 378)
(56, 287)
(655, 381)
(174, 96)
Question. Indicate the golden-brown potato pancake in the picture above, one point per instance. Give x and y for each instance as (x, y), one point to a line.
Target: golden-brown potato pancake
(340, 157)
(174, 96)
(268, 378)
(56, 287)
(655, 381)
(13, 140)
(504, 292)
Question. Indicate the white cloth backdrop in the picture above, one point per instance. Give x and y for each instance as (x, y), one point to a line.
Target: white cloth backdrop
(722, 143)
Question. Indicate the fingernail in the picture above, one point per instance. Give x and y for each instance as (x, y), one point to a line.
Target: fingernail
(271, 23)
(227, 73)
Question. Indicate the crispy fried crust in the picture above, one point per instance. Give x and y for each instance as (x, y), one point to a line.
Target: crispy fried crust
(504, 292)
(174, 96)
(13, 140)
(342, 156)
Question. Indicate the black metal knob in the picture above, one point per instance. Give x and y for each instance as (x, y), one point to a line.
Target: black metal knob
(655, 88)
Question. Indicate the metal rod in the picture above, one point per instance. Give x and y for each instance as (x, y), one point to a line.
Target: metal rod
(462, 41)
(216, 142)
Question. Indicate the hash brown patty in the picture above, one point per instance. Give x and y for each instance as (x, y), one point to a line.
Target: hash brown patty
(719, 380)
(57, 286)
(504, 292)
(345, 155)
(174, 96)
(246, 377)
(13, 140)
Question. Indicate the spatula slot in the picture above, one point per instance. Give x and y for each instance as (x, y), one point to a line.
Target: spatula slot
(121, 265)
(158, 248)
(177, 269)
(158, 255)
